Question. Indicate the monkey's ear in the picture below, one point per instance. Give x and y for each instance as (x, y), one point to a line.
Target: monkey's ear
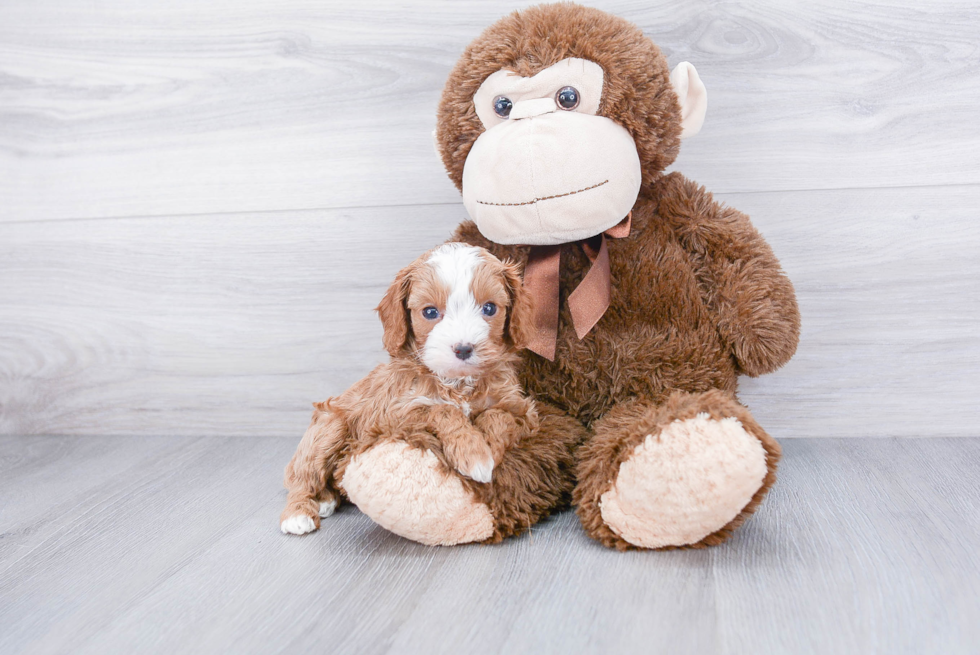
(692, 96)
(394, 314)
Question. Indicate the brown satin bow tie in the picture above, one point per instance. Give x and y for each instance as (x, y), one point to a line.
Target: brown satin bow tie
(586, 304)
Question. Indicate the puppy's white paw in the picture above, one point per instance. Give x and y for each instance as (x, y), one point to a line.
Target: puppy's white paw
(479, 471)
(328, 507)
(297, 524)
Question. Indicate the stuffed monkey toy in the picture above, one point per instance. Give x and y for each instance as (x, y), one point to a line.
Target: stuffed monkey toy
(557, 124)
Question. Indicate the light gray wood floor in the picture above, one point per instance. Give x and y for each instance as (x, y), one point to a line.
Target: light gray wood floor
(171, 545)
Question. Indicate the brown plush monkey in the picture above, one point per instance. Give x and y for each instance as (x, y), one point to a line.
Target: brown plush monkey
(557, 124)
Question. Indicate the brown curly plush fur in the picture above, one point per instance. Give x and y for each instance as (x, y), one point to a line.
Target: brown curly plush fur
(698, 296)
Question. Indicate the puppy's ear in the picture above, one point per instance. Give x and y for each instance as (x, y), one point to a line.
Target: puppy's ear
(519, 329)
(394, 314)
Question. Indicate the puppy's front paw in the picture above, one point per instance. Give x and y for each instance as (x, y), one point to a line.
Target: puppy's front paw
(480, 471)
(297, 524)
(473, 458)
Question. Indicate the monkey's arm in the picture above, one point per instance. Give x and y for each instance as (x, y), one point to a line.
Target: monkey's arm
(740, 278)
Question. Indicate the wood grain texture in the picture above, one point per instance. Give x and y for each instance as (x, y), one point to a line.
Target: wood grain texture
(865, 545)
(132, 109)
(222, 324)
(276, 168)
(234, 324)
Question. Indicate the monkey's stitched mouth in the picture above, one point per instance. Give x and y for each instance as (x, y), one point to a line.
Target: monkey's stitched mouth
(536, 200)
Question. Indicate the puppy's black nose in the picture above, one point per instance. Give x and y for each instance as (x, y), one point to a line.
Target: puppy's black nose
(463, 350)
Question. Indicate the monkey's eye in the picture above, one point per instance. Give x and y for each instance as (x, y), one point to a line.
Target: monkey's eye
(502, 106)
(567, 97)
(430, 313)
(489, 309)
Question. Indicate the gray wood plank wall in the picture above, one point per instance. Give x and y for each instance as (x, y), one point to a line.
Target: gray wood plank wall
(200, 203)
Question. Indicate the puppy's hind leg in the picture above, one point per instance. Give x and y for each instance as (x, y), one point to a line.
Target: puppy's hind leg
(308, 474)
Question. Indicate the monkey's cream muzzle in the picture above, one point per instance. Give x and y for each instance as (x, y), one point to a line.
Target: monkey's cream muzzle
(546, 175)
(551, 177)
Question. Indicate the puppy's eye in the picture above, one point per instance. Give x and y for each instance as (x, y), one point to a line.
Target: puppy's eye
(567, 98)
(430, 313)
(502, 106)
(489, 309)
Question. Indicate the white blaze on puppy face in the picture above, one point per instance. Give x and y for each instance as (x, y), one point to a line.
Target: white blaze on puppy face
(461, 320)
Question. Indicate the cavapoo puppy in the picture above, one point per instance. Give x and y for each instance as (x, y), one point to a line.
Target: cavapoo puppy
(453, 321)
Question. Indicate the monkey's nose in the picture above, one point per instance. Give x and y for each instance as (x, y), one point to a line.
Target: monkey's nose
(463, 350)
(532, 108)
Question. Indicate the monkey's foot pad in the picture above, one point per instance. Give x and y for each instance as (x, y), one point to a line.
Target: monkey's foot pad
(684, 483)
(404, 490)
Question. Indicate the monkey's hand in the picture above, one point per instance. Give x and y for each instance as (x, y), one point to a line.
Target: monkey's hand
(743, 284)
